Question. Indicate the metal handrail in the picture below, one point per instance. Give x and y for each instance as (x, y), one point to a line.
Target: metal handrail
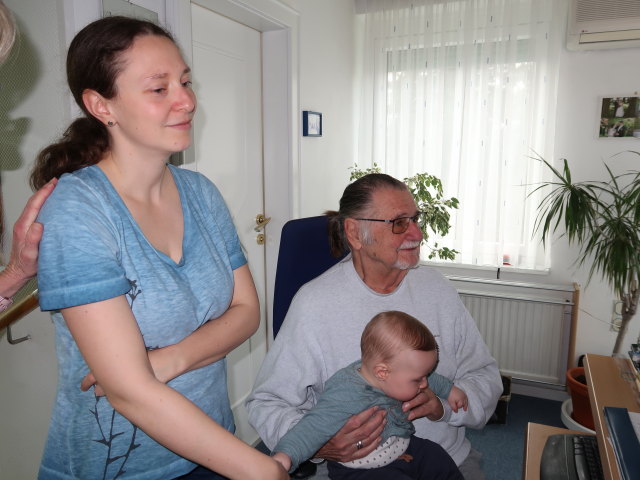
(25, 301)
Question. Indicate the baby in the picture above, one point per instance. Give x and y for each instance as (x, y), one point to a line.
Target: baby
(399, 354)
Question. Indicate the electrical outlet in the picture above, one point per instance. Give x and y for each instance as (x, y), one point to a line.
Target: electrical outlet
(616, 323)
(616, 317)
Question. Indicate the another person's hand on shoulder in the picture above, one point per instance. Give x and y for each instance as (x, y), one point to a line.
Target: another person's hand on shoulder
(425, 404)
(458, 399)
(357, 438)
(23, 263)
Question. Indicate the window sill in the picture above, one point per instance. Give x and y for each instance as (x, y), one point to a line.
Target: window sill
(444, 266)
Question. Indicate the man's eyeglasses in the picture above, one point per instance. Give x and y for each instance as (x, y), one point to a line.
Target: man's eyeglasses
(400, 224)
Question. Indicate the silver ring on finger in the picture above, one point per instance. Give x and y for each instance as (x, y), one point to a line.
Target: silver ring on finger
(359, 444)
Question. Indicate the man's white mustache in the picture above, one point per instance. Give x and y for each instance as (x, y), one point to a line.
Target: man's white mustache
(408, 245)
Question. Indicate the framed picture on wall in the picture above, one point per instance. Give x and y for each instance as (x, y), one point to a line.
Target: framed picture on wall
(619, 116)
(311, 124)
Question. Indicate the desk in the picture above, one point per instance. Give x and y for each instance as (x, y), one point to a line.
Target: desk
(611, 383)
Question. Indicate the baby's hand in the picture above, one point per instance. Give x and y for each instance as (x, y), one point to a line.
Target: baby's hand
(458, 399)
(283, 459)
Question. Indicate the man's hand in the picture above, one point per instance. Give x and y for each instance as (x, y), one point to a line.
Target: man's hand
(357, 438)
(425, 404)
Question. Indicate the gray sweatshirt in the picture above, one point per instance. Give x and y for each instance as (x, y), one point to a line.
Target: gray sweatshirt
(321, 334)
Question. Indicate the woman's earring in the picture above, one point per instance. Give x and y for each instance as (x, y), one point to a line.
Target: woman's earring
(110, 123)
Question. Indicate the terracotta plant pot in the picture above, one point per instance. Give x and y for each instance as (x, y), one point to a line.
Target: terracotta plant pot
(577, 384)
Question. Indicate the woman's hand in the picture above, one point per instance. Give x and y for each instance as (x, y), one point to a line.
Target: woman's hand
(209, 343)
(282, 459)
(425, 404)
(90, 381)
(160, 360)
(357, 438)
(282, 473)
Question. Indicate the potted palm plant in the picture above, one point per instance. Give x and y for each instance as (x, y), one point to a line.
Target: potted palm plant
(601, 219)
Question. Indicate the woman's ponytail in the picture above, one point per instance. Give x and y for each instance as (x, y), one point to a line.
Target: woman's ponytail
(83, 144)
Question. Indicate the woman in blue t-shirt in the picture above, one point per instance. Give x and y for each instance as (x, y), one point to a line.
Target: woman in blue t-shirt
(143, 270)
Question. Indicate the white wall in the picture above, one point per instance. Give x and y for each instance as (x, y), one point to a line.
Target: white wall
(585, 77)
(328, 27)
(32, 84)
(326, 86)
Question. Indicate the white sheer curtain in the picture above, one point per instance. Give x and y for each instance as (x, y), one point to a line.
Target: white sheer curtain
(465, 90)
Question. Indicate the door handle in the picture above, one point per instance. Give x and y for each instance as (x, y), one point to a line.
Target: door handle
(261, 222)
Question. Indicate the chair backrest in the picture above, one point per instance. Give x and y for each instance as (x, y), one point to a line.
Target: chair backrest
(304, 254)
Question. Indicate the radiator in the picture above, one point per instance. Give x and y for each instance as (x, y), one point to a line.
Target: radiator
(529, 328)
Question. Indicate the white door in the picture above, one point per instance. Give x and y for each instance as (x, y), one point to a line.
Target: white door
(228, 150)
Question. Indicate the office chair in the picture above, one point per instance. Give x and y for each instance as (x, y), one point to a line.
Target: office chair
(304, 254)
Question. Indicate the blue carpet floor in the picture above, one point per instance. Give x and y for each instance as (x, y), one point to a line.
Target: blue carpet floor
(502, 446)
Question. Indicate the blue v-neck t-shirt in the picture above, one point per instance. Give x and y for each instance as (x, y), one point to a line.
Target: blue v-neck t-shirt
(92, 250)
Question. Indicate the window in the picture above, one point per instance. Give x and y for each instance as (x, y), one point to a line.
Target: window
(465, 90)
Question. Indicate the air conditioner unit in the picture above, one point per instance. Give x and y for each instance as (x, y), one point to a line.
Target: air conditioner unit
(596, 24)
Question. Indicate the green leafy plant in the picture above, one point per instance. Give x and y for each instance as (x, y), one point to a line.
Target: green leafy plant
(428, 194)
(602, 219)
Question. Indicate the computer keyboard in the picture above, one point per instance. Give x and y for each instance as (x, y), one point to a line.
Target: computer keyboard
(572, 457)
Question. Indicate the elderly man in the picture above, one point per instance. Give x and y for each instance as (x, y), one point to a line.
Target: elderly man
(377, 221)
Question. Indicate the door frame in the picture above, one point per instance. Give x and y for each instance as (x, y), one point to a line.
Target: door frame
(278, 21)
(278, 24)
